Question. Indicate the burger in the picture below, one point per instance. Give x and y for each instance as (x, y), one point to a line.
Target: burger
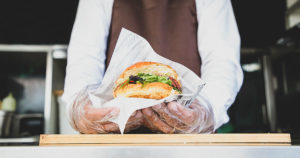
(149, 80)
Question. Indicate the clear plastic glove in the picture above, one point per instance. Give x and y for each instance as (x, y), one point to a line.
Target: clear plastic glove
(175, 118)
(86, 118)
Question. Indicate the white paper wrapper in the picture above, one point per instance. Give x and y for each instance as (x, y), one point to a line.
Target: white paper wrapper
(132, 48)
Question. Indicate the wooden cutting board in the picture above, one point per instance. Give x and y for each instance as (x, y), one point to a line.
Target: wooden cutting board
(165, 139)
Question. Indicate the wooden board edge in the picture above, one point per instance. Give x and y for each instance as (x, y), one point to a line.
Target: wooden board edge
(197, 144)
(162, 138)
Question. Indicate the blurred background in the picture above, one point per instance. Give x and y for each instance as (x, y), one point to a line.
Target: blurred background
(33, 40)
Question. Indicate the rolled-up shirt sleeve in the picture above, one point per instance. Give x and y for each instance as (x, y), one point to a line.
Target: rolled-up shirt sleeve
(86, 52)
(219, 48)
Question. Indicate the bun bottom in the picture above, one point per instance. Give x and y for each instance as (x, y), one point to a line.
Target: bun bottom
(154, 90)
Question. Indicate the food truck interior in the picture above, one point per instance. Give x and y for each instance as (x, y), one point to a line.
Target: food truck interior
(33, 48)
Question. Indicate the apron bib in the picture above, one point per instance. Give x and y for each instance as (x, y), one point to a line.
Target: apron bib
(170, 26)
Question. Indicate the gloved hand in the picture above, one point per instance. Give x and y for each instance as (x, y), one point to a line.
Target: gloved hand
(175, 118)
(91, 120)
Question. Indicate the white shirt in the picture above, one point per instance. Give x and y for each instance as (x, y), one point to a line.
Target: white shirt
(218, 42)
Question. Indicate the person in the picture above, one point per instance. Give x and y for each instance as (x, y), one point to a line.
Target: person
(200, 34)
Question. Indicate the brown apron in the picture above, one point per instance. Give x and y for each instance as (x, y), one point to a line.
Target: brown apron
(170, 26)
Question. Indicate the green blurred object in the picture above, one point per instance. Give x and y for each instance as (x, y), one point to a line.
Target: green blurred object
(226, 128)
(9, 103)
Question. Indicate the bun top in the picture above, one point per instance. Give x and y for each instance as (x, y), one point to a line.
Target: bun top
(151, 68)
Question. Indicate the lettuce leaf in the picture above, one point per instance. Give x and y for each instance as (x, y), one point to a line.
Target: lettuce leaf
(154, 78)
(147, 78)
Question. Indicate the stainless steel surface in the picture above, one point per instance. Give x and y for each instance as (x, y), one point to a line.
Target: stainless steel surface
(247, 51)
(49, 110)
(269, 91)
(60, 54)
(5, 123)
(153, 152)
(30, 48)
(19, 140)
(284, 79)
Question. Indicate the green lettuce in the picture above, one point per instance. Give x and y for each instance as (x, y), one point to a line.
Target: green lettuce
(147, 78)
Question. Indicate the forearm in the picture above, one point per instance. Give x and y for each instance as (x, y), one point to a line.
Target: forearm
(86, 60)
(86, 52)
(219, 47)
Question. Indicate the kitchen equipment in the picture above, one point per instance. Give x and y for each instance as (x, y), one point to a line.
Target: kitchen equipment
(291, 37)
(6, 119)
(25, 125)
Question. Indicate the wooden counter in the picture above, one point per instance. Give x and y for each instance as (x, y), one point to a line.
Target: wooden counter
(166, 139)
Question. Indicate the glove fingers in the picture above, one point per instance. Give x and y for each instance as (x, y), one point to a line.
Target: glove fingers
(150, 126)
(155, 121)
(168, 117)
(84, 126)
(135, 120)
(91, 120)
(95, 120)
(100, 114)
(186, 115)
(110, 127)
(133, 124)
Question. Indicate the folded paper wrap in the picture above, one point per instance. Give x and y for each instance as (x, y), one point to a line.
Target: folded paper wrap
(132, 48)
